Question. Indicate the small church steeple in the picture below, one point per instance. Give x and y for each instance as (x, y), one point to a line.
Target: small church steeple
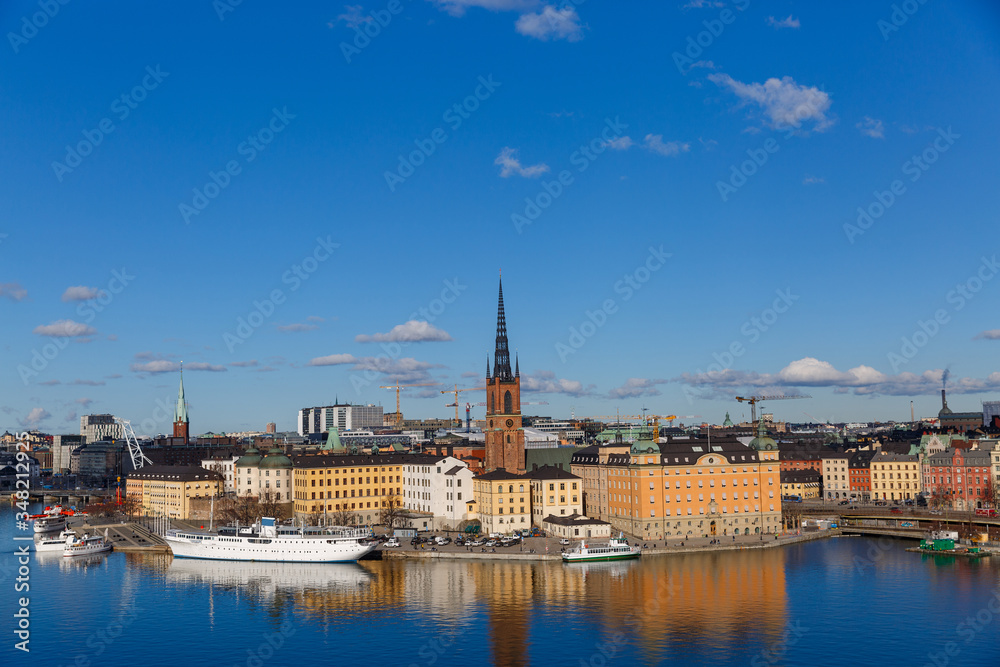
(181, 421)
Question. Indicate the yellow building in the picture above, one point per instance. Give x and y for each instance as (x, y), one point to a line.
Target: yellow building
(361, 485)
(684, 488)
(503, 501)
(554, 492)
(801, 483)
(165, 490)
(895, 476)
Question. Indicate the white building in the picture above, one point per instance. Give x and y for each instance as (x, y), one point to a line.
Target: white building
(226, 468)
(344, 417)
(62, 447)
(442, 488)
(100, 427)
(836, 479)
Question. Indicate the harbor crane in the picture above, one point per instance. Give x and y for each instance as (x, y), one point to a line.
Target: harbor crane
(754, 400)
(457, 391)
(134, 450)
(397, 387)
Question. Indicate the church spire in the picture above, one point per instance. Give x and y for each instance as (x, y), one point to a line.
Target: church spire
(517, 366)
(487, 367)
(180, 411)
(501, 359)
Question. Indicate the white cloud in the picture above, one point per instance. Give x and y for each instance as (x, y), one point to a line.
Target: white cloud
(992, 334)
(783, 101)
(353, 16)
(458, 7)
(64, 329)
(703, 4)
(85, 402)
(620, 143)
(509, 164)
(813, 180)
(86, 383)
(161, 365)
(315, 318)
(414, 331)
(35, 418)
(551, 23)
(81, 293)
(13, 291)
(245, 364)
(546, 382)
(862, 380)
(871, 127)
(333, 360)
(298, 326)
(635, 387)
(783, 23)
(655, 143)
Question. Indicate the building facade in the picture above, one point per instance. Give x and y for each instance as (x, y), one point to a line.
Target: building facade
(169, 490)
(225, 466)
(895, 476)
(959, 479)
(836, 482)
(801, 483)
(264, 476)
(62, 448)
(554, 493)
(341, 416)
(100, 427)
(859, 472)
(503, 501)
(440, 486)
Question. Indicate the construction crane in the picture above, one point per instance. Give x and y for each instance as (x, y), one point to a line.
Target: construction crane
(457, 391)
(134, 450)
(754, 400)
(397, 387)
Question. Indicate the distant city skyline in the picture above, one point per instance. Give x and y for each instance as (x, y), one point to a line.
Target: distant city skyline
(688, 203)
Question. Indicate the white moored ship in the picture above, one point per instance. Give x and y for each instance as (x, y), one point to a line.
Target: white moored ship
(54, 543)
(49, 521)
(271, 543)
(87, 545)
(616, 549)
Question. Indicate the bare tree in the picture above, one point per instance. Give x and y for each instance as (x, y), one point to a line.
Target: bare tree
(390, 515)
(343, 517)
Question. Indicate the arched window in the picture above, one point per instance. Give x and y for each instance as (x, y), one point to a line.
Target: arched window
(511, 489)
(521, 489)
(508, 403)
(491, 402)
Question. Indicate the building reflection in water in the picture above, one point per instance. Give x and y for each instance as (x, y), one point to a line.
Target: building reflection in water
(666, 606)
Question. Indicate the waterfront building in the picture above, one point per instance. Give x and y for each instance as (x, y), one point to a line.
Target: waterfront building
(100, 427)
(440, 486)
(684, 488)
(575, 526)
(504, 432)
(503, 501)
(343, 416)
(895, 476)
(959, 478)
(554, 492)
(268, 476)
(859, 472)
(225, 466)
(62, 448)
(171, 490)
(346, 488)
(959, 422)
(802, 483)
(836, 485)
(95, 460)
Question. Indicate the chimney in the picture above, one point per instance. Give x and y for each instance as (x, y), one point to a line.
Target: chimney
(944, 401)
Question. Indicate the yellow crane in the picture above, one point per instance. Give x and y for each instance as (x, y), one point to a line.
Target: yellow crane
(397, 387)
(754, 400)
(457, 391)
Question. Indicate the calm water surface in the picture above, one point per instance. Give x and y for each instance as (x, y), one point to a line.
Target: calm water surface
(839, 601)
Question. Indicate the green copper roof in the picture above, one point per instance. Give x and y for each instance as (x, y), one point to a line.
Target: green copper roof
(275, 459)
(728, 422)
(251, 458)
(333, 443)
(762, 441)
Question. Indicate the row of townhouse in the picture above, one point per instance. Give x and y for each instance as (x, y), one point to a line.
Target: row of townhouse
(684, 487)
(507, 501)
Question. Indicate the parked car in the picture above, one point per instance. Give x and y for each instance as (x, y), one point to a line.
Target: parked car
(441, 541)
(936, 512)
(844, 502)
(564, 541)
(391, 543)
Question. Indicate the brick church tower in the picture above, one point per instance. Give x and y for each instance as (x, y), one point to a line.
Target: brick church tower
(504, 434)
(181, 423)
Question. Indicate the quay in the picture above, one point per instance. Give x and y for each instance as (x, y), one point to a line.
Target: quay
(125, 537)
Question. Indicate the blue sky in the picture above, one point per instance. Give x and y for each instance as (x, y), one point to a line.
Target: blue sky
(688, 201)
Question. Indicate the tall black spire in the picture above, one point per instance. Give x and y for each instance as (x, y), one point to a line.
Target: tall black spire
(487, 367)
(501, 358)
(517, 367)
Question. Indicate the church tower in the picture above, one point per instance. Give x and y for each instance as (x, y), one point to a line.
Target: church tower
(504, 433)
(181, 413)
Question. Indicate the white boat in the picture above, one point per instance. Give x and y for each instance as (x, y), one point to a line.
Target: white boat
(49, 521)
(55, 543)
(87, 545)
(267, 542)
(616, 549)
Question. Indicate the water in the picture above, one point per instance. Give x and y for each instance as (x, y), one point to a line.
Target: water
(844, 600)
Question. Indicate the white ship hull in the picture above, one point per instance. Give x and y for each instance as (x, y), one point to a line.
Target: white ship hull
(50, 524)
(87, 546)
(54, 543)
(282, 549)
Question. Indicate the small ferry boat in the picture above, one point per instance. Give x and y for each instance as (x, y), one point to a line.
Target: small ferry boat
(266, 541)
(87, 545)
(617, 549)
(49, 521)
(55, 543)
